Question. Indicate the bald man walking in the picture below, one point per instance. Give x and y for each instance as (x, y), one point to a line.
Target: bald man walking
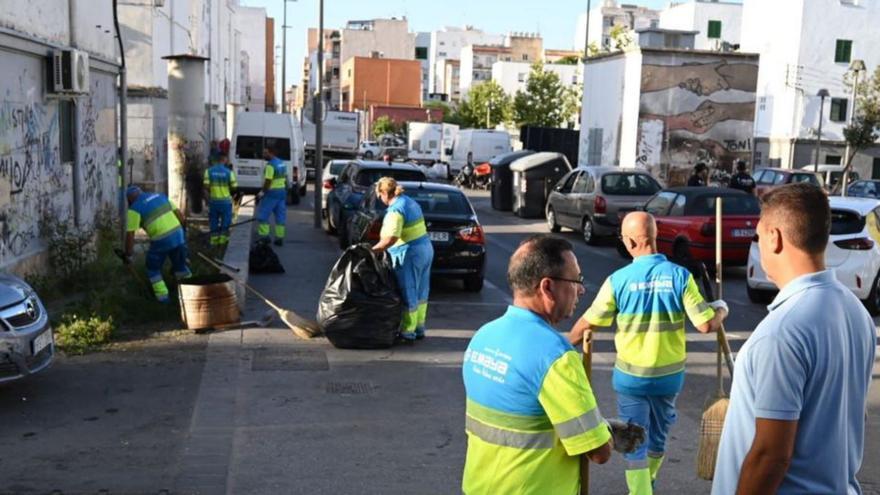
(649, 300)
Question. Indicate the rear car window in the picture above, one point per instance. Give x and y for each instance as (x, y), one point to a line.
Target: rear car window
(745, 204)
(629, 185)
(846, 222)
(251, 147)
(371, 176)
(336, 168)
(808, 178)
(440, 202)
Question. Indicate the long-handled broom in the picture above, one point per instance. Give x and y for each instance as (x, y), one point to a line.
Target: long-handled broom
(588, 368)
(715, 408)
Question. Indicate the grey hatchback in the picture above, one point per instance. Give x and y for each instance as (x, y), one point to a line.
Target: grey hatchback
(590, 199)
(26, 343)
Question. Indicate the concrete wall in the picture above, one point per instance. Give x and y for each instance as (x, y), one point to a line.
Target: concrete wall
(48, 20)
(694, 15)
(251, 22)
(380, 81)
(423, 40)
(390, 37)
(602, 110)
(605, 14)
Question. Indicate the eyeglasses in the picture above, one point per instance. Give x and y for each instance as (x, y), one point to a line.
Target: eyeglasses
(579, 281)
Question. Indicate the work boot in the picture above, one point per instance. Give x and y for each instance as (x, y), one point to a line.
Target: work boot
(405, 338)
(279, 242)
(420, 333)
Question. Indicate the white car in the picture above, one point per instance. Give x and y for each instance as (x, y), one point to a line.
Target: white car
(853, 253)
(369, 150)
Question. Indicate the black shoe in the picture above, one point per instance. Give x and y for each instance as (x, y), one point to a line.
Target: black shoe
(279, 242)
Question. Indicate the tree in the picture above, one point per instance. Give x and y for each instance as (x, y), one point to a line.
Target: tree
(546, 102)
(450, 116)
(569, 60)
(383, 125)
(621, 37)
(861, 134)
(486, 99)
(868, 95)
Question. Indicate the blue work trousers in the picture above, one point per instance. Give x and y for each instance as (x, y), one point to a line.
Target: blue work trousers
(655, 413)
(156, 258)
(412, 266)
(272, 204)
(219, 219)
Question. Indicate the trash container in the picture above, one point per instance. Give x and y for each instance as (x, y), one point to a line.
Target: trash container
(502, 179)
(533, 179)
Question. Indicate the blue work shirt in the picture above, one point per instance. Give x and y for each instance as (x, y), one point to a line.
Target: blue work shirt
(809, 361)
(276, 173)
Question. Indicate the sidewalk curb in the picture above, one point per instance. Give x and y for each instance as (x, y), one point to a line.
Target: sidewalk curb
(238, 253)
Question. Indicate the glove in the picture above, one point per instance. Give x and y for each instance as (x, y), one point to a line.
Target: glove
(627, 436)
(720, 305)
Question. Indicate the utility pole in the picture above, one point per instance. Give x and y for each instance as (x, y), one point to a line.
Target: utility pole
(587, 33)
(823, 93)
(318, 116)
(284, 27)
(857, 66)
(123, 126)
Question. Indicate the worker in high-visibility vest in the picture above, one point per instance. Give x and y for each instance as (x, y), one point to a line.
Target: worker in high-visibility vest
(273, 198)
(405, 236)
(164, 224)
(649, 300)
(220, 183)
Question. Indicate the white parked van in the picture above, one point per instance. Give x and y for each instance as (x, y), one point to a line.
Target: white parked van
(482, 144)
(832, 174)
(255, 130)
(428, 142)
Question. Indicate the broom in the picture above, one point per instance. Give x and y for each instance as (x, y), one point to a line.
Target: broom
(715, 408)
(588, 368)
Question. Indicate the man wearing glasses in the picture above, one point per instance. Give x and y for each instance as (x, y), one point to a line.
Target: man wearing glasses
(649, 300)
(531, 412)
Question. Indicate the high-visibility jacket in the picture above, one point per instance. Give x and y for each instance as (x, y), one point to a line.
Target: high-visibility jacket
(276, 171)
(530, 409)
(404, 220)
(649, 300)
(220, 180)
(154, 213)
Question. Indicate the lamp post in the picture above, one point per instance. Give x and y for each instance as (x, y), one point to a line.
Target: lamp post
(823, 93)
(317, 117)
(856, 67)
(284, 28)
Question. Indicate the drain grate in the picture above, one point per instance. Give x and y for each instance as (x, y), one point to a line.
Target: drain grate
(289, 360)
(349, 388)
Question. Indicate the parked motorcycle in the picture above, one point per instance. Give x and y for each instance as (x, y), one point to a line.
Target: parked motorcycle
(465, 177)
(482, 178)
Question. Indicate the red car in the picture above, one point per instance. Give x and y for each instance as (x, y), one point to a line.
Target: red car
(686, 223)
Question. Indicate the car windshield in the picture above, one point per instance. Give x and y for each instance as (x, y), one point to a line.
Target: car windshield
(336, 168)
(744, 204)
(436, 202)
(846, 222)
(629, 185)
(369, 177)
(251, 147)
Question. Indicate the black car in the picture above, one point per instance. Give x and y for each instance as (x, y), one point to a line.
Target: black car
(455, 232)
(353, 182)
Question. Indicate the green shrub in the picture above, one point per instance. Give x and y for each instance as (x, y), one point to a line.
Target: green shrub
(75, 335)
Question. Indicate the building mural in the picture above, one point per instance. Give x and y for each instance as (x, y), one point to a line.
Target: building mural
(695, 108)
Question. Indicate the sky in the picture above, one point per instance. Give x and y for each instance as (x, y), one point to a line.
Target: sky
(553, 19)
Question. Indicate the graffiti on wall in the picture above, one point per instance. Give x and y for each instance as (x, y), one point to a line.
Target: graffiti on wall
(695, 108)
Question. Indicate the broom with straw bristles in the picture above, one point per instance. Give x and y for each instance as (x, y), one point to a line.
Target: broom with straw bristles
(715, 408)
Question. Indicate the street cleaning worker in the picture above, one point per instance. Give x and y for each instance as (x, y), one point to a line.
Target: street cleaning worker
(530, 411)
(220, 183)
(649, 299)
(163, 223)
(273, 198)
(405, 236)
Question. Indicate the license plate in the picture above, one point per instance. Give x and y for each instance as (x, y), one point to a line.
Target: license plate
(42, 341)
(438, 236)
(744, 232)
(248, 171)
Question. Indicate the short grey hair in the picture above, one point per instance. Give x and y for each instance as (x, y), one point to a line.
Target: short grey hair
(538, 257)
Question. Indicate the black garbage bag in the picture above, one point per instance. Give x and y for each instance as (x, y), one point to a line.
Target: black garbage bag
(262, 259)
(361, 307)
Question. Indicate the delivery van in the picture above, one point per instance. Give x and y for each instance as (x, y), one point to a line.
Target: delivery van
(253, 131)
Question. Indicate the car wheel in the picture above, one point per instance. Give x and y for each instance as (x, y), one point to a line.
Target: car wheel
(368, 155)
(759, 296)
(681, 251)
(325, 222)
(872, 303)
(473, 283)
(587, 231)
(551, 220)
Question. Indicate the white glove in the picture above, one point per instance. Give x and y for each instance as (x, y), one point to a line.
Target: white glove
(720, 305)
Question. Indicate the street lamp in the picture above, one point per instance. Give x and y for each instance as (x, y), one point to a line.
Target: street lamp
(822, 94)
(284, 28)
(857, 66)
(318, 102)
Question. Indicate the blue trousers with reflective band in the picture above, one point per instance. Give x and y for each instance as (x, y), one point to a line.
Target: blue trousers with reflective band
(412, 267)
(272, 204)
(655, 413)
(219, 218)
(156, 258)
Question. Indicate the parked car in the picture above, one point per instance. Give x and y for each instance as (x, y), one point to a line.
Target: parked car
(591, 200)
(686, 223)
(455, 231)
(832, 174)
(256, 130)
(853, 253)
(864, 189)
(26, 342)
(353, 182)
(369, 150)
(770, 178)
(330, 173)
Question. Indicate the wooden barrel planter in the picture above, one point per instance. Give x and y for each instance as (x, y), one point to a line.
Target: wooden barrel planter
(208, 301)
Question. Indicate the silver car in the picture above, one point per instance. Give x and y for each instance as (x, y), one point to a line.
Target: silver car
(26, 343)
(591, 199)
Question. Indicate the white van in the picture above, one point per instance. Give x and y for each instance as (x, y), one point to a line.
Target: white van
(428, 142)
(831, 175)
(255, 130)
(483, 144)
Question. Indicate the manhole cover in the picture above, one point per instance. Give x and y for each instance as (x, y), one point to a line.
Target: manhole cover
(349, 388)
(289, 360)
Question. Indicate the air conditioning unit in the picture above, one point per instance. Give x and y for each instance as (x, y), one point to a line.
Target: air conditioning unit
(69, 72)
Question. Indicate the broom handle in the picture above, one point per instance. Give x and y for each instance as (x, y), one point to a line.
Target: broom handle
(588, 368)
(720, 334)
(245, 284)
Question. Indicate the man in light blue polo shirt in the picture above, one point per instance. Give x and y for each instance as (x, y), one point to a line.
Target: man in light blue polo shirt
(796, 421)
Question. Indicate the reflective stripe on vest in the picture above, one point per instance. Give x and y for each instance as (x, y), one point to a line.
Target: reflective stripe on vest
(161, 222)
(414, 230)
(509, 430)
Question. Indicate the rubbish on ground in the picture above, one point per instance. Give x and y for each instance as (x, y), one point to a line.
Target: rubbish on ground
(262, 259)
